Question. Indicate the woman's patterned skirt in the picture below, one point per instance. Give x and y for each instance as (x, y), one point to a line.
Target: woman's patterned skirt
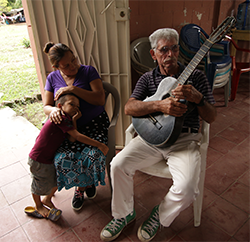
(82, 165)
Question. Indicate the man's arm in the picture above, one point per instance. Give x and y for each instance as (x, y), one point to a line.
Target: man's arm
(207, 112)
(169, 106)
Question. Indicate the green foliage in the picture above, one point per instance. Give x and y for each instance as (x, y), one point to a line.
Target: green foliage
(32, 112)
(13, 4)
(3, 6)
(18, 78)
(17, 67)
(7, 5)
(26, 43)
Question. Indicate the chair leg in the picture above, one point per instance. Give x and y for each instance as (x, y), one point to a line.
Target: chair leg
(110, 155)
(235, 83)
(197, 206)
(226, 92)
(108, 173)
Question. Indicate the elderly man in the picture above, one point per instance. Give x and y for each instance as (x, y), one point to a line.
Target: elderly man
(183, 157)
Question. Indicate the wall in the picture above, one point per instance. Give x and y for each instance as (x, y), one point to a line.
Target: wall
(33, 47)
(147, 16)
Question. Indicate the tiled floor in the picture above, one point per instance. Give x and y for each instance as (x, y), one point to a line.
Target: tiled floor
(225, 215)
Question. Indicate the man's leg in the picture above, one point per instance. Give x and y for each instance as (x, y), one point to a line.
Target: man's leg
(136, 155)
(184, 165)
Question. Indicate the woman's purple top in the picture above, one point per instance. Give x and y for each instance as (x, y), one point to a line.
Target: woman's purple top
(84, 76)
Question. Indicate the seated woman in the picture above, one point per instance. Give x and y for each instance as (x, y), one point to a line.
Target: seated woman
(78, 165)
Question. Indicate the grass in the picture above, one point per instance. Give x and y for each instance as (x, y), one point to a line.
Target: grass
(18, 77)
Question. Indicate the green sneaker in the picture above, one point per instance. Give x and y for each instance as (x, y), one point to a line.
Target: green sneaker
(148, 229)
(115, 227)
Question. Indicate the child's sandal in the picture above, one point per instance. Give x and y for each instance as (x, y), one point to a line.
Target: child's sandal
(54, 214)
(31, 211)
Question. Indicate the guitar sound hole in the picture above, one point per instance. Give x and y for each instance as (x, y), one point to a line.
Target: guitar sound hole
(155, 122)
(165, 96)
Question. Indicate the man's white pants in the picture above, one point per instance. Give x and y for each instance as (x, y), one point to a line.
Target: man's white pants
(183, 159)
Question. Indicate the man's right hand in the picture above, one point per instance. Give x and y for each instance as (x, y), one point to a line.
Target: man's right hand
(172, 106)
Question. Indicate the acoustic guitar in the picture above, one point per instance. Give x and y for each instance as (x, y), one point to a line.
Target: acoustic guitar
(162, 130)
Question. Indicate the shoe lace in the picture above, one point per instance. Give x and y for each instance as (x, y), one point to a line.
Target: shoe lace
(79, 194)
(153, 223)
(116, 224)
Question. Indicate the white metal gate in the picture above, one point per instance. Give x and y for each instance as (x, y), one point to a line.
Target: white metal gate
(97, 30)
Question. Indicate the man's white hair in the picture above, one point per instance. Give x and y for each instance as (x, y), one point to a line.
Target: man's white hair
(165, 33)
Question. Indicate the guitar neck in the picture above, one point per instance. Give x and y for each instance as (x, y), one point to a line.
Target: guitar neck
(195, 61)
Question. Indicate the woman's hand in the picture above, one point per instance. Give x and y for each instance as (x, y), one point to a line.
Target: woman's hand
(103, 148)
(56, 115)
(63, 90)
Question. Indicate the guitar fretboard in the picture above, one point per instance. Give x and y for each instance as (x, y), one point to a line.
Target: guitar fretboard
(194, 63)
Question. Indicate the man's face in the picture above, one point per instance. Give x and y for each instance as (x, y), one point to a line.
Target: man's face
(166, 54)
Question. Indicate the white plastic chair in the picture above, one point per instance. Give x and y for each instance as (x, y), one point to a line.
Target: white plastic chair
(110, 89)
(161, 169)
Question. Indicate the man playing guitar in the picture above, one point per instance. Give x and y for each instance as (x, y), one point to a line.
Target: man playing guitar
(182, 157)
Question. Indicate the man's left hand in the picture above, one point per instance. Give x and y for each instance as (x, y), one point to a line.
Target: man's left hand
(187, 92)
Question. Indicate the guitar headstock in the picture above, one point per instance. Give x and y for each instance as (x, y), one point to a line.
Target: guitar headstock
(219, 33)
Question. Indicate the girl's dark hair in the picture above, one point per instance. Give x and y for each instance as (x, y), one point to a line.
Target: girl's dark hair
(63, 98)
(55, 52)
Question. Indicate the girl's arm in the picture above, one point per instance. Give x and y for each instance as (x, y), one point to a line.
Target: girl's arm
(74, 119)
(88, 141)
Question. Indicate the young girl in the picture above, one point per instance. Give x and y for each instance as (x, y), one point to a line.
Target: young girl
(41, 157)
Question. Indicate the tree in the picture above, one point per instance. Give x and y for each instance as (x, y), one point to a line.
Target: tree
(13, 4)
(3, 6)
(7, 5)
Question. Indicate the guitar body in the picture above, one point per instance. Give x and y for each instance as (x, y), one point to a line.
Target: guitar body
(159, 129)
(164, 137)
(162, 130)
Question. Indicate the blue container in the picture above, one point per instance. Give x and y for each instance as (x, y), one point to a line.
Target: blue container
(243, 16)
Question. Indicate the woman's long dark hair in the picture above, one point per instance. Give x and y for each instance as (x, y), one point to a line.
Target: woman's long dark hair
(56, 52)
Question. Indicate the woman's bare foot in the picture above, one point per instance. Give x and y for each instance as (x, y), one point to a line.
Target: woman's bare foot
(43, 211)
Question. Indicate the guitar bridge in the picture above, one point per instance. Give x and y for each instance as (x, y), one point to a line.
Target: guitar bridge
(155, 122)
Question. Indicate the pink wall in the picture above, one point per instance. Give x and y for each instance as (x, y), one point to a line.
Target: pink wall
(147, 16)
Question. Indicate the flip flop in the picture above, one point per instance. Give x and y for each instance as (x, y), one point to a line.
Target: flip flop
(54, 214)
(31, 211)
